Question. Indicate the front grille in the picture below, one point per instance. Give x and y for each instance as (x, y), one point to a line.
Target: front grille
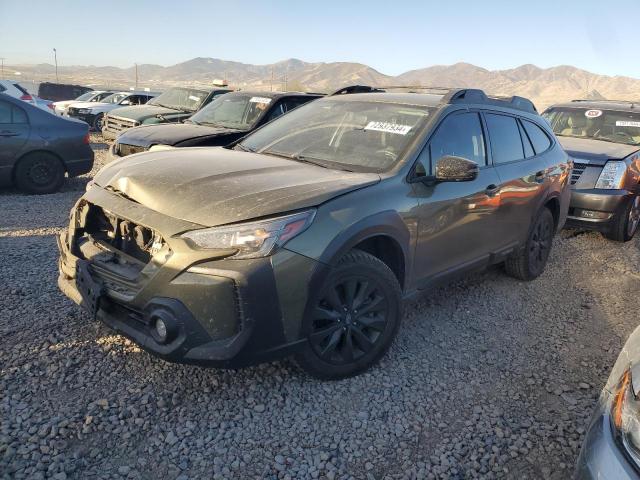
(122, 149)
(116, 125)
(72, 111)
(578, 170)
(118, 249)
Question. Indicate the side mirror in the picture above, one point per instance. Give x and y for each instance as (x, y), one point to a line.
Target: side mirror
(456, 169)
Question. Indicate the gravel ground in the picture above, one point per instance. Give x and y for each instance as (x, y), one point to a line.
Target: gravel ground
(488, 378)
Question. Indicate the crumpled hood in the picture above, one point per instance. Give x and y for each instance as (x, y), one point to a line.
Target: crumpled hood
(596, 151)
(140, 112)
(213, 186)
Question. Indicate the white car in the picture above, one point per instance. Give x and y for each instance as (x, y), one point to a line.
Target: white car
(94, 96)
(14, 89)
(93, 112)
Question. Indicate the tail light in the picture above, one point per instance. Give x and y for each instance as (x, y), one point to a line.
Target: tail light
(26, 97)
(86, 139)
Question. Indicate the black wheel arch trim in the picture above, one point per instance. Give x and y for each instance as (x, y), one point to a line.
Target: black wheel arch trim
(387, 224)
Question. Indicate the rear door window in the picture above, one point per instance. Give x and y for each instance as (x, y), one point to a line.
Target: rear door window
(539, 139)
(10, 114)
(5, 112)
(506, 144)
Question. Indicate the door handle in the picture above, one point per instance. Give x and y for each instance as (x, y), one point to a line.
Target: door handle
(7, 133)
(492, 190)
(540, 176)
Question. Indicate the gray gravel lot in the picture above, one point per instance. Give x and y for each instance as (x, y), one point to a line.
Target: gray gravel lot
(488, 378)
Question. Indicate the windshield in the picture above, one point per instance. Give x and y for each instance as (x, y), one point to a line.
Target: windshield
(348, 135)
(85, 96)
(180, 99)
(607, 125)
(233, 111)
(115, 98)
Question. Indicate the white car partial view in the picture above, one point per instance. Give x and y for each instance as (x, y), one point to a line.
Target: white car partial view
(93, 112)
(14, 89)
(61, 106)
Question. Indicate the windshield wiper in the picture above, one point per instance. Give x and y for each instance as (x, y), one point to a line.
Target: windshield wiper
(305, 159)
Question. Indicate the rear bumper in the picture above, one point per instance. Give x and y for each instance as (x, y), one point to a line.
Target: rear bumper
(595, 209)
(600, 456)
(223, 313)
(80, 166)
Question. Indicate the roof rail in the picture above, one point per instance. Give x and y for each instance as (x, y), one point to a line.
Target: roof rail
(629, 102)
(475, 95)
(450, 95)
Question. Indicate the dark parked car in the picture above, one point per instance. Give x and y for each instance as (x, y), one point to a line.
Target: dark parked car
(304, 237)
(611, 449)
(61, 91)
(38, 148)
(603, 138)
(173, 106)
(225, 120)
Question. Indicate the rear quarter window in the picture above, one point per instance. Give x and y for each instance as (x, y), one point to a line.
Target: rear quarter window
(539, 139)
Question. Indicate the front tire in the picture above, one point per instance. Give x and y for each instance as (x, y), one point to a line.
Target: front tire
(39, 173)
(352, 320)
(528, 263)
(97, 122)
(626, 222)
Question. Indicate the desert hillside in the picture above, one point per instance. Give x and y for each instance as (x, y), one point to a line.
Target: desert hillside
(543, 85)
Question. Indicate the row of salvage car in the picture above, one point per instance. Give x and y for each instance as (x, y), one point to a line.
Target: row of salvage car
(308, 230)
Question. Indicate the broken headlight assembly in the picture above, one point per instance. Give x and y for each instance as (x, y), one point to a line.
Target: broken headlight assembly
(612, 175)
(252, 239)
(625, 417)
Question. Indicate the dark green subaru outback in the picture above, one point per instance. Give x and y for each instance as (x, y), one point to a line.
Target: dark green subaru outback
(304, 238)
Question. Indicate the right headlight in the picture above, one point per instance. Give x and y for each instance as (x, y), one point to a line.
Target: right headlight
(612, 175)
(252, 239)
(625, 417)
(84, 110)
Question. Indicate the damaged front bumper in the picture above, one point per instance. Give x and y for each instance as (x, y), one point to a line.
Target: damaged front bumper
(219, 311)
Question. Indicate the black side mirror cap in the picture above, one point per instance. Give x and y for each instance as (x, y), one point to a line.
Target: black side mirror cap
(456, 169)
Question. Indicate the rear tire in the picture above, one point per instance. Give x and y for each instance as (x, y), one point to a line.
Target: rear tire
(626, 221)
(39, 173)
(528, 263)
(353, 318)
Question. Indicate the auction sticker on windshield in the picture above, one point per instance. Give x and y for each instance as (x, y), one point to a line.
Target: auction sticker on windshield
(260, 100)
(627, 123)
(593, 113)
(388, 127)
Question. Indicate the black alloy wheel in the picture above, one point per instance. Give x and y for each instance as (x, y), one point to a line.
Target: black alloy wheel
(352, 319)
(348, 320)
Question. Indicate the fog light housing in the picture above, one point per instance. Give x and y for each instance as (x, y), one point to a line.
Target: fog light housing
(163, 329)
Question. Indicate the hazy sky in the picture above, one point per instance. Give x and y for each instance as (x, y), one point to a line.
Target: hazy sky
(391, 36)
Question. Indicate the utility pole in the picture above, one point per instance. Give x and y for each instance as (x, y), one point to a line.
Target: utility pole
(136, 75)
(2, 62)
(272, 79)
(55, 58)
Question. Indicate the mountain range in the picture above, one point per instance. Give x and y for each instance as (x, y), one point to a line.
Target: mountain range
(542, 85)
